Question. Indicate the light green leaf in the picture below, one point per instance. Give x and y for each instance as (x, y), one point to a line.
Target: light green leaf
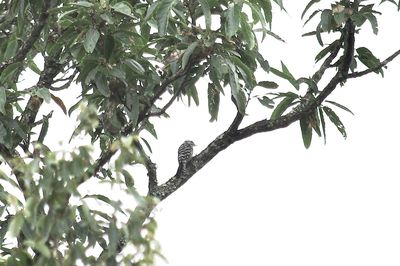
(3, 99)
(205, 7)
(163, 13)
(91, 38)
(188, 53)
(213, 101)
(39, 246)
(233, 14)
(43, 93)
(16, 224)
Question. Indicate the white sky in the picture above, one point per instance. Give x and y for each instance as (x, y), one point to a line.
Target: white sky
(267, 200)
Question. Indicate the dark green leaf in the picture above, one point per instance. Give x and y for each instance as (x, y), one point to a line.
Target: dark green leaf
(102, 85)
(123, 8)
(135, 66)
(326, 20)
(306, 132)
(321, 117)
(368, 59)
(267, 102)
(283, 105)
(326, 50)
(11, 50)
(268, 84)
(374, 23)
(308, 7)
(335, 120)
(340, 106)
(9, 71)
(132, 104)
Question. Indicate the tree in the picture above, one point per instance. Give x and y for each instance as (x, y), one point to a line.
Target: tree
(133, 60)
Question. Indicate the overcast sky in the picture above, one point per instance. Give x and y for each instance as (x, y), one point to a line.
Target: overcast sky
(267, 200)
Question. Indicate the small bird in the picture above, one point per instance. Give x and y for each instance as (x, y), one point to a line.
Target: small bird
(185, 153)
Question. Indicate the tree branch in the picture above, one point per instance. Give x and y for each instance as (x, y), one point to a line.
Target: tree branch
(35, 34)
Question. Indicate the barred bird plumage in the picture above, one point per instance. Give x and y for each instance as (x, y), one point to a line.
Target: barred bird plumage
(185, 153)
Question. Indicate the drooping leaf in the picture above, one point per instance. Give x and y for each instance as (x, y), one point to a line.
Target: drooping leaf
(213, 101)
(188, 52)
(232, 18)
(306, 132)
(335, 120)
(322, 120)
(59, 102)
(91, 38)
(163, 14)
(205, 7)
(308, 7)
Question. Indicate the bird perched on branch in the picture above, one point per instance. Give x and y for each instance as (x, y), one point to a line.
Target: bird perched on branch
(185, 153)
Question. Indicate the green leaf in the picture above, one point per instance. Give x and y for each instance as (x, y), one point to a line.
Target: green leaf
(306, 132)
(267, 102)
(135, 66)
(91, 38)
(205, 7)
(247, 31)
(43, 93)
(188, 52)
(9, 71)
(44, 129)
(163, 14)
(322, 119)
(247, 73)
(132, 104)
(326, 50)
(285, 74)
(235, 89)
(340, 106)
(308, 7)
(129, 181)
(368, 59)
(232, 18)
(284, 105)
(213, 101)
(335, 120)
(32, 65)
(374, 23)
(268, 84)
(267, 8)
(326, 20)
(16, 224)
(123, 8)
(3, 99)
(11, 50)
(102, 85)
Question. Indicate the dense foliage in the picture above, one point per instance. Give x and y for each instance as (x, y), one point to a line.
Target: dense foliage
(125, 56)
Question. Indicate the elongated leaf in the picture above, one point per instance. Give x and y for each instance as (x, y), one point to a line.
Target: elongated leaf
(335, 120)
(163, 13)
(11, 50)
(285, 74)
(135, 66)
(374, 23)
(326, 50)
(132, 104)
(268, 84)
(236, 90)
(306, 132)
(232, 18)
(3, 99)
(205, 7)
(267, 8)
(16, 224)
(322, 120)
(247, 73)
(91, 38)
(308, 7)
(340, 106)
(267, 102)
(213, 101)
(44, 129)
(311, 17)
(188, 53)
(283, 105)
(368, 59)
